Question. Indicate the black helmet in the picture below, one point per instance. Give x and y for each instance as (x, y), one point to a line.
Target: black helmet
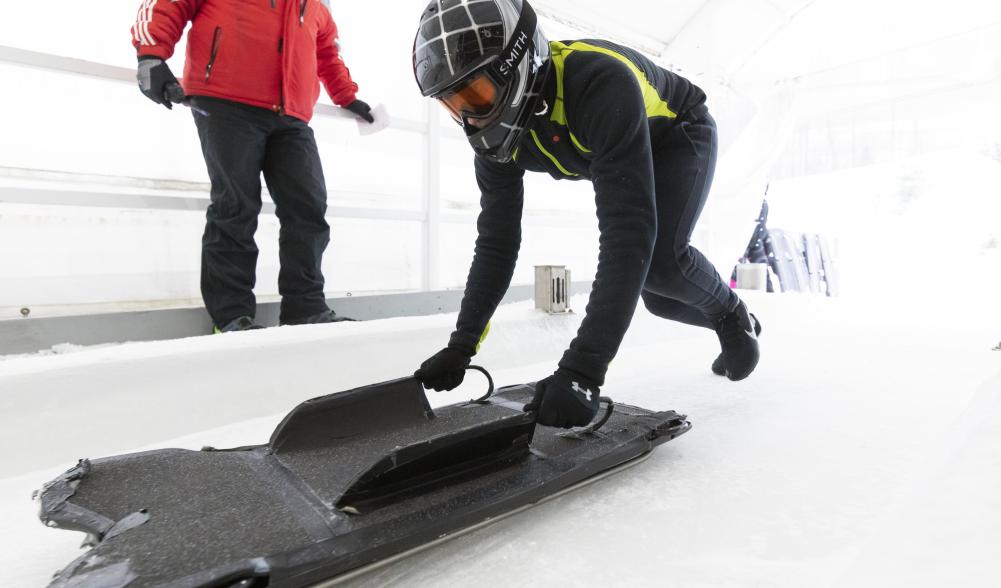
(486, 62)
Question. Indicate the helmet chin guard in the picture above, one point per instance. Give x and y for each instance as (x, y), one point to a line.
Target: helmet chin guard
(487, 61)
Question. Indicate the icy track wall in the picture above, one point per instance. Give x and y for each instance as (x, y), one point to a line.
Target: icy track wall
(57, 409)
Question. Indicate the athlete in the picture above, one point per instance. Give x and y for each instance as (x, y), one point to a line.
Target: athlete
(579, 110)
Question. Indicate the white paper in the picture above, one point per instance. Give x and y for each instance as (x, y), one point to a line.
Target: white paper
(381, 116)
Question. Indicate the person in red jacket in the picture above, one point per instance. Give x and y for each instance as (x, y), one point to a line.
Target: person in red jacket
(252, 76)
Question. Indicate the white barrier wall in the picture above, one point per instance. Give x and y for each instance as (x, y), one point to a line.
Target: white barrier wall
(403, 202)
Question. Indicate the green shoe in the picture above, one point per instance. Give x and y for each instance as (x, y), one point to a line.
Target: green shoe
(243, 323)
(327, 316)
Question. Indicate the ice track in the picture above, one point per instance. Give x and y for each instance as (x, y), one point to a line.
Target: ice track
(863, 452)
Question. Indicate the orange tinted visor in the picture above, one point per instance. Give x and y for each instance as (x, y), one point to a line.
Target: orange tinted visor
(475, 98)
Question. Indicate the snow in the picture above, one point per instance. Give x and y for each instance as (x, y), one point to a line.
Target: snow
(60, 349)
(865, 451)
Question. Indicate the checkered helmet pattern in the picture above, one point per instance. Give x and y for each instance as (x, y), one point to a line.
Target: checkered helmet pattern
(456, 37)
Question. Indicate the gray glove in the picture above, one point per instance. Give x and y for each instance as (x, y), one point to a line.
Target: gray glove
(158, 83)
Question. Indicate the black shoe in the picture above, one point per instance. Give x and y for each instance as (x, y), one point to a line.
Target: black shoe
(327, 316)
(738, 336)
(244, 323)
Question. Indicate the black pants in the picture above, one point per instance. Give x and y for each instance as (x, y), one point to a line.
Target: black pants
(682, 285)
(239, 142)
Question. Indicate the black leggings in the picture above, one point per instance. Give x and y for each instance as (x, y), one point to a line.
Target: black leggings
(682, 285)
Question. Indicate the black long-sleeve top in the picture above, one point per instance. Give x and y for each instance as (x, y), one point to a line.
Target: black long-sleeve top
(606, 107)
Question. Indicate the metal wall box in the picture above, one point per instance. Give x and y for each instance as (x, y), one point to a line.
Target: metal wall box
(552, 288)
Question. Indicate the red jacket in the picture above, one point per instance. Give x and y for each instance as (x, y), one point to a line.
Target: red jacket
(267, 53)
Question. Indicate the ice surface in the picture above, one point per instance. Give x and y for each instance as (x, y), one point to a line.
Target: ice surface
(60, 349)
(865, 451)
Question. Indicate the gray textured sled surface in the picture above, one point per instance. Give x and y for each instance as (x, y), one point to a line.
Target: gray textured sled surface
(346, 480)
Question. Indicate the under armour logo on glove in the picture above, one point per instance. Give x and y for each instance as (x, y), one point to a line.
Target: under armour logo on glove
(562, 401)
(588, 394)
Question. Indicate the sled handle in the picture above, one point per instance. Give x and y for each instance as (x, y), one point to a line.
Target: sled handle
(609, 409)
(581, 432)
(485, 399)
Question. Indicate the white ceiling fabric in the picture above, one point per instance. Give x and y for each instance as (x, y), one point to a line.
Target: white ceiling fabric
(767, 40)
(852, 75)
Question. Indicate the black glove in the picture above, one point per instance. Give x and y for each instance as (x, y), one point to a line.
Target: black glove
(362, 110)
(443, 370)
(157, 82)
(564, 400)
